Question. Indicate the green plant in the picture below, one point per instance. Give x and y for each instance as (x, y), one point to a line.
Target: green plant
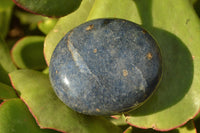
(27, 100)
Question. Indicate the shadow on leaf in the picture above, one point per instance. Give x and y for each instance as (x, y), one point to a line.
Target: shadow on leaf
(177, 66)
(4, 76)
(34, 62)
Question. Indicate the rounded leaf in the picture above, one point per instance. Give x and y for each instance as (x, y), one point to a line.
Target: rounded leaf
(28, 53)
(49, 7)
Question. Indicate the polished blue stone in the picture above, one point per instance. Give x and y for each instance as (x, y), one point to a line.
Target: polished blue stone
(105, 67)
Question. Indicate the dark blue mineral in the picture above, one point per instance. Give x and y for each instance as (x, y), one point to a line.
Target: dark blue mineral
(105, 67)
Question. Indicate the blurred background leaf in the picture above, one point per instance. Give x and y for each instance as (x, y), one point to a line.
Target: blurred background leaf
(49, 7)
(27, 18)
(6, 7)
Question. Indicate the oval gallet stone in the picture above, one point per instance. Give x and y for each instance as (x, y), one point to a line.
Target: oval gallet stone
(105, 67)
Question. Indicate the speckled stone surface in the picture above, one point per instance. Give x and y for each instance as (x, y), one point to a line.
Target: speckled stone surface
(105, 66)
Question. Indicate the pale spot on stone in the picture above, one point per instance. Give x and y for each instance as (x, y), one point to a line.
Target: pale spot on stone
(125, 73)
(142, 88)
(95, 50)
(149, 56)
(97, 110)
(90, 27)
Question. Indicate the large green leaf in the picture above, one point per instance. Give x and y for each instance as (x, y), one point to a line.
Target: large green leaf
(6, 64)
(28, 53)
(176, 27)
(49, 111)
(64, 25)
(6, 92)
(49, 7)
(16, 118)
(5, 15)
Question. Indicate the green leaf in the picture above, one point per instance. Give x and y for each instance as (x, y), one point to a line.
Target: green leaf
(50, 112)
(6, 64)
(176, 27)
(187, 128)
(28, 53)
(49, 7)
(16, 118)
(64, 25)
(6, 92)
(5, 16)
(47, 25)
